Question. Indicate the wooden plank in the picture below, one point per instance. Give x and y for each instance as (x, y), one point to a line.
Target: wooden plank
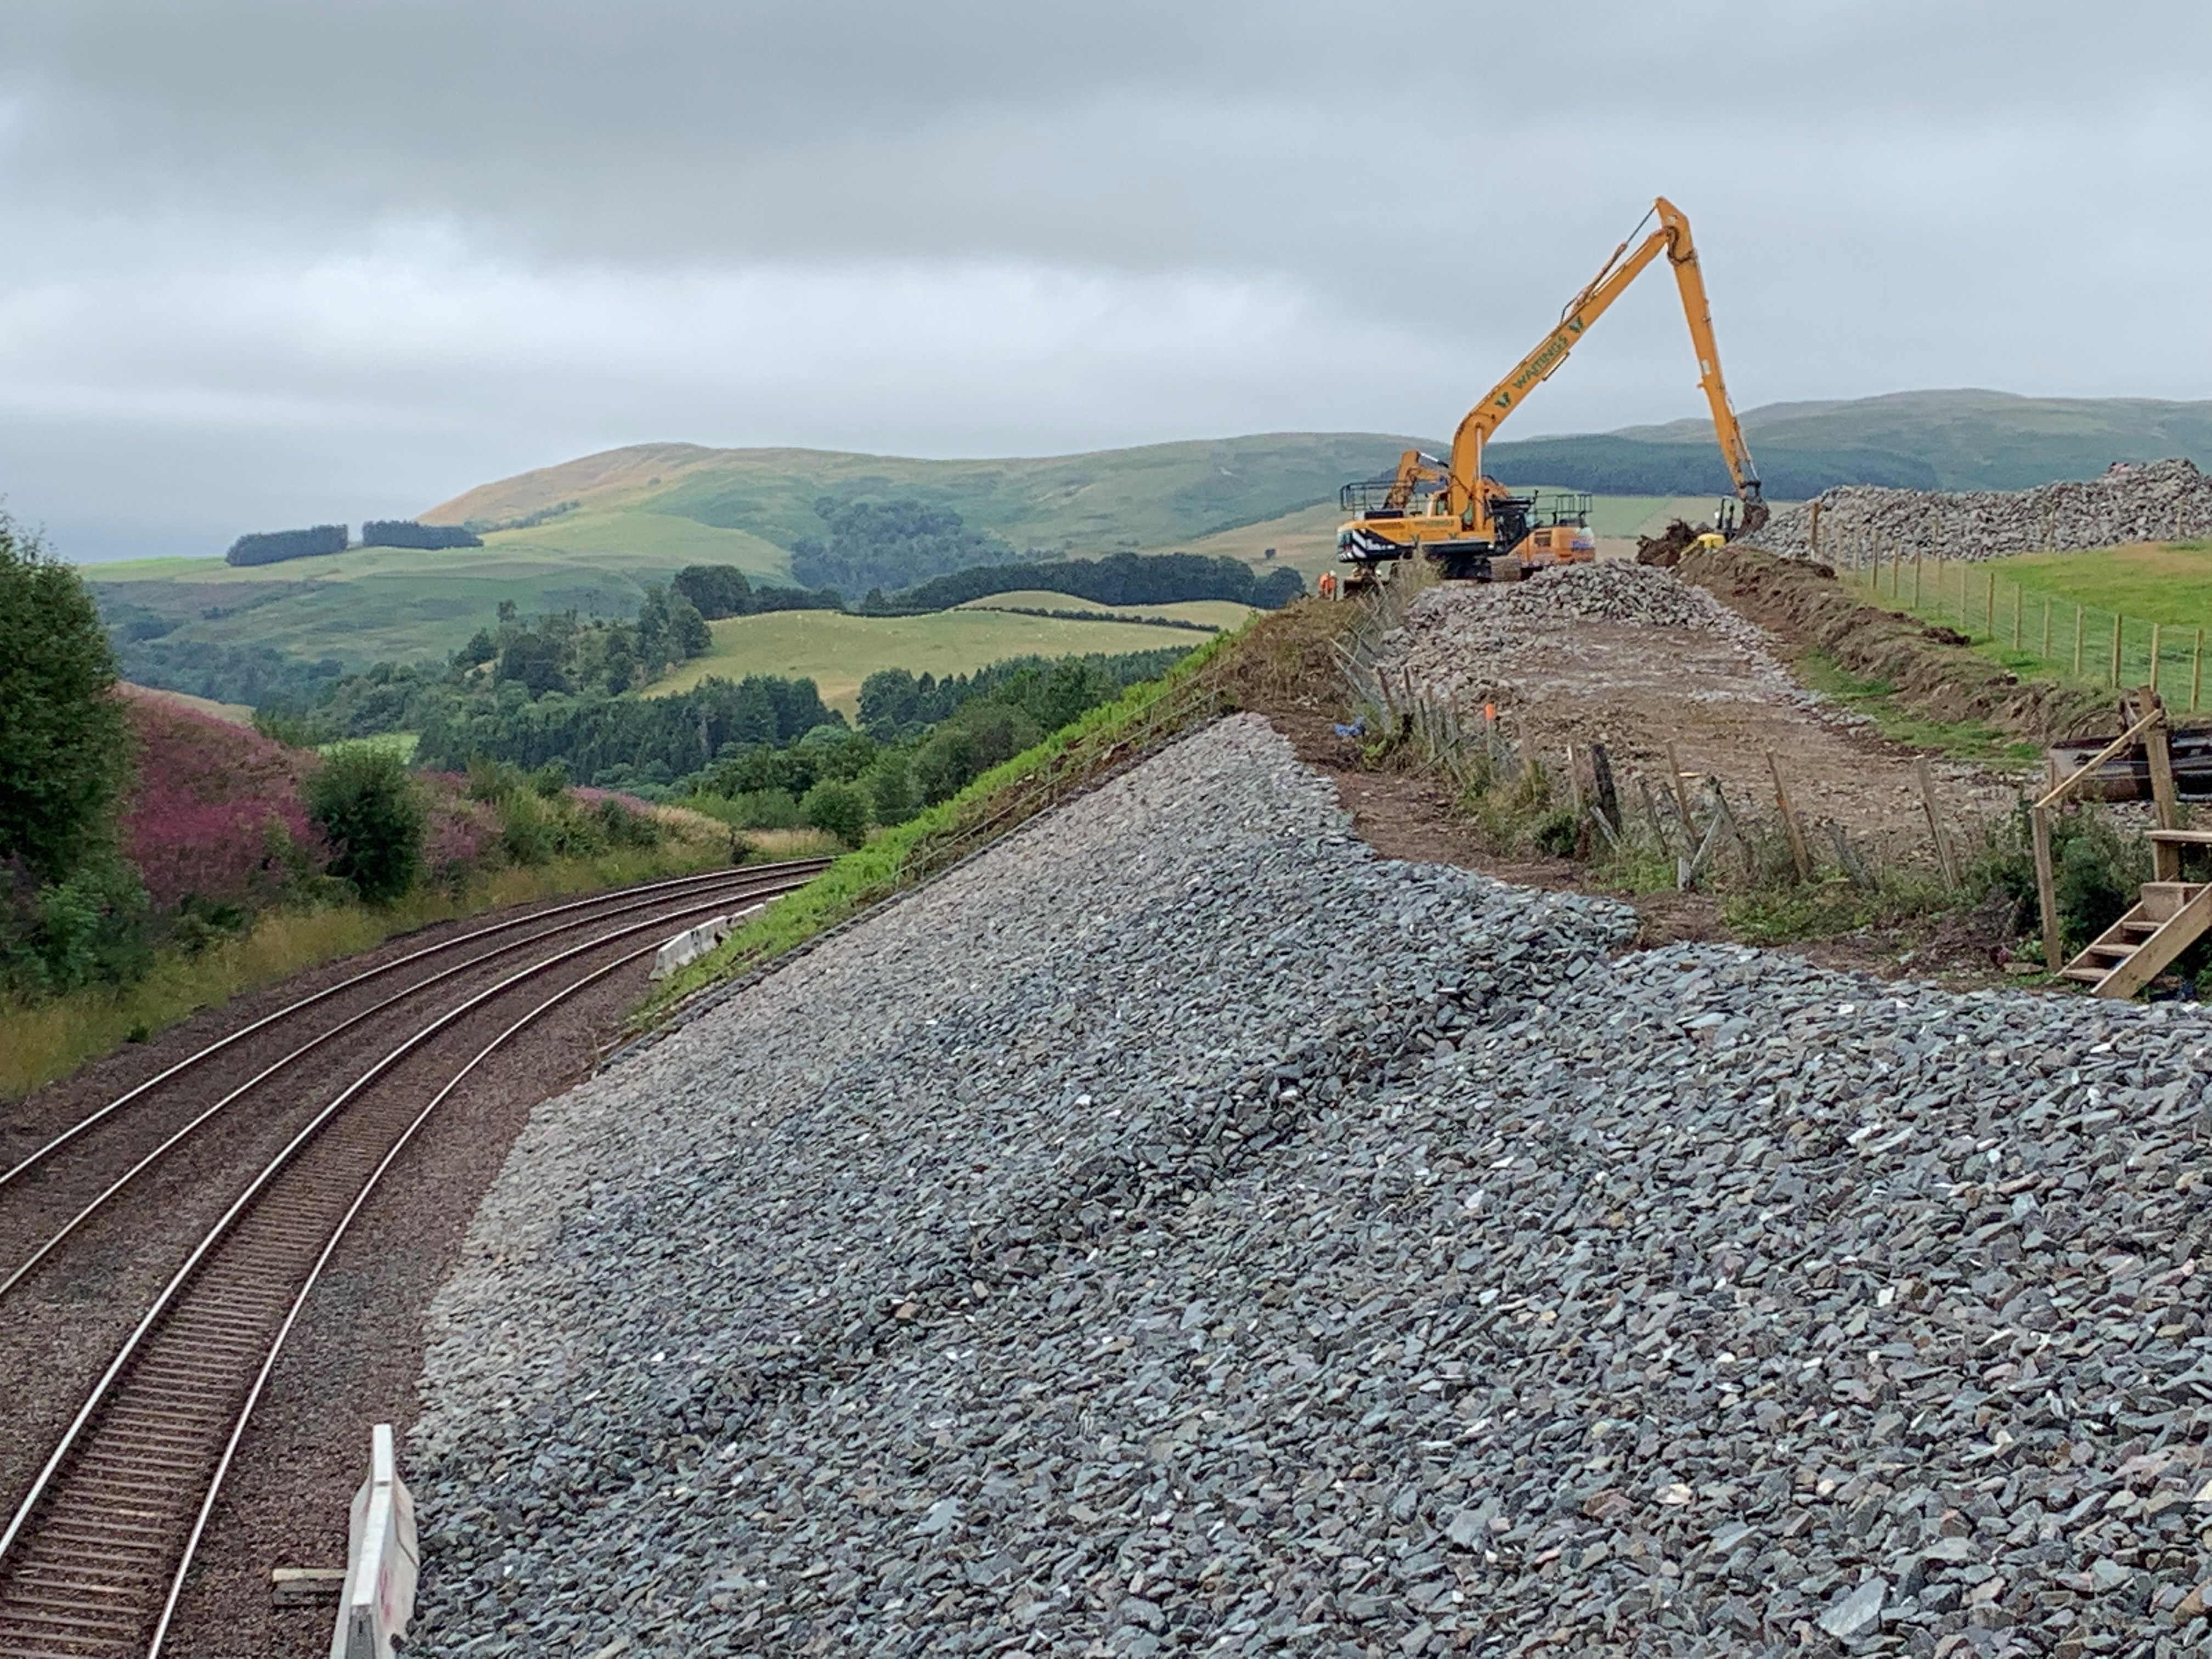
(2066, 786)
(2047, 887)
(2157, 749)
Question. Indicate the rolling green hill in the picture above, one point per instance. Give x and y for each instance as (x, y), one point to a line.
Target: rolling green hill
(1974, 439)
(1116, 498)
(590, 534)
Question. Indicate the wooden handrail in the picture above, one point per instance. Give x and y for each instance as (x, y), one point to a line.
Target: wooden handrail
(2074, 781)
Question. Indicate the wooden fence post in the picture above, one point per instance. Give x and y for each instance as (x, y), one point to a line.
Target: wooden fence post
(1681, 789)
(1799, 853)
(2118, 622)
(2019, 594)
(1601, 785)
(2046, 628)
(1944, 861)
(1652, 813)
(2046, 888)
(2077, 639)
(1989, 608)
(2155, 628)
(2196, 671)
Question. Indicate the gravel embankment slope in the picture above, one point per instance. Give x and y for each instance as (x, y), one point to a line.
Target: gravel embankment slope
(1034, 1270)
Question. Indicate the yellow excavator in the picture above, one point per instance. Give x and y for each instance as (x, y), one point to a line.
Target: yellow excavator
(1473, 527)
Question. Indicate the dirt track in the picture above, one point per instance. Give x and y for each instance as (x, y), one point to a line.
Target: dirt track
(1717, 690)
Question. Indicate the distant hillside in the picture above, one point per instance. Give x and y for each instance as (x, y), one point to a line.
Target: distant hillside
(1971, 439)
(1164, 496)
(1098, 502)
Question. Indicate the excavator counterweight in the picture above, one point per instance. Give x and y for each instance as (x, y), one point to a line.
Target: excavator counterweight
(1473, 527)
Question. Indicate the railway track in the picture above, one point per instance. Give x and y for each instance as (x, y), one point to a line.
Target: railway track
(95, 1553)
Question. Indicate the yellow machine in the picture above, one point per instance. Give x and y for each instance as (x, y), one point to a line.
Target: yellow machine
(1475, 528)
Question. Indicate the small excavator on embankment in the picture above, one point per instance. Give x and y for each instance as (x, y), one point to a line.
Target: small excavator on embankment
(1476, 528)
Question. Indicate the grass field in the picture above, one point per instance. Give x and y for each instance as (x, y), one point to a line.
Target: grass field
(402, 605)
(837, 651)
(1207, 613)
(2158, 581)
(2092, 617)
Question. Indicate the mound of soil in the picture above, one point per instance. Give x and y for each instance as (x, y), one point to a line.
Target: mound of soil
(1806, 607)
(1665, 548)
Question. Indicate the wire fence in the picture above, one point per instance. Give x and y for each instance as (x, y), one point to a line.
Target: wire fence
(2083, 642)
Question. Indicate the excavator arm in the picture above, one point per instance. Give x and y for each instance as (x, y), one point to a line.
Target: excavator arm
(1468, 495)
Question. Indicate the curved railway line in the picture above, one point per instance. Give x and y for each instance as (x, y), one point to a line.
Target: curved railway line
(95, 1553)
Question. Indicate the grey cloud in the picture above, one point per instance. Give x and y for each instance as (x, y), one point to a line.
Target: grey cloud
(329, 228)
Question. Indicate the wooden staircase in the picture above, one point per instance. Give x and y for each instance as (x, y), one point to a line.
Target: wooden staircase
(2171, 914)
(2169, 918)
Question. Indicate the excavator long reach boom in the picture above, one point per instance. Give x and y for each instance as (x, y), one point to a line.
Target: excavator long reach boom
(1459, 526)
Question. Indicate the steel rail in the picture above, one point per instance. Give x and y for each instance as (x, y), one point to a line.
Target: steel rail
(166, 1302)
(330, 1249)
(743, 883)
(289, 1009)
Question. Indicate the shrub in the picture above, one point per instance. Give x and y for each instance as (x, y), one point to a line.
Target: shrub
(89, 929)
(890, 790)
(215, 814)
(64, 750)
(839, 809)
(624, 828)
(764, 809)
(368, 808)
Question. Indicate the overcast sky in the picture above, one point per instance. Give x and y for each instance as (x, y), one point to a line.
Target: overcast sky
(268, 262)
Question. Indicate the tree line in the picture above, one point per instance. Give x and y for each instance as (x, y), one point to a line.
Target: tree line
(316, 541)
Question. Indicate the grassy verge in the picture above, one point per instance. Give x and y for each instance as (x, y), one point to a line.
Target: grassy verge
(1895, 719)
(992, 805)
(42, 1040)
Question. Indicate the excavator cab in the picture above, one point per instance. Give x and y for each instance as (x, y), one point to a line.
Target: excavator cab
(1556, 532)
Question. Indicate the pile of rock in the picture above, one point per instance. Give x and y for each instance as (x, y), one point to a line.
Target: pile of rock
(1181, 1231)
(2160, 500)
(1612, 590)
